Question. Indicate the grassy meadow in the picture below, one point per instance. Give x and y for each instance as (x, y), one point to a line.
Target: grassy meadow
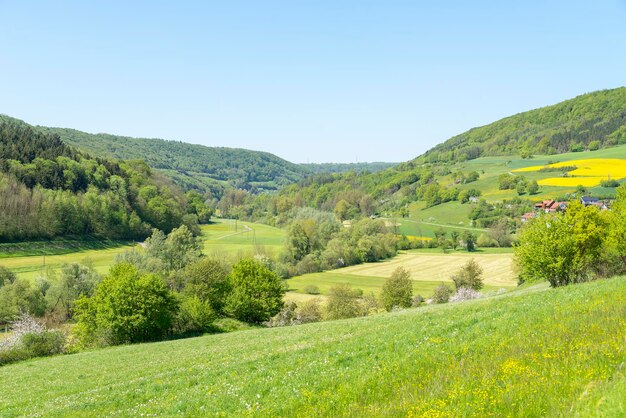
(41, 258)
(554, 352)
(227, 236)
(428, 269)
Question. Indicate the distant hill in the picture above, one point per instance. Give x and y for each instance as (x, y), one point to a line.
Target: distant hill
(200, 164)
(192, 166)
(325, 168)
(590, 121)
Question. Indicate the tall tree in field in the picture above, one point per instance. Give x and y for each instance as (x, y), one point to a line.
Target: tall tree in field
(397, 290)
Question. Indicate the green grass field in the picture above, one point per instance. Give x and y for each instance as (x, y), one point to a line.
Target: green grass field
(31, 267)
(241, 238)
(556, 352)
(427, 268)
(33, 259)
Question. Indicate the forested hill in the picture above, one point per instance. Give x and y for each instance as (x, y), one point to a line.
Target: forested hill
(50, 189)
(590, 121)
(328, 168)
(191, 165)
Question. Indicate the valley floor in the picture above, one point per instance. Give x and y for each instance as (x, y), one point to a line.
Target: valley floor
(554, 352)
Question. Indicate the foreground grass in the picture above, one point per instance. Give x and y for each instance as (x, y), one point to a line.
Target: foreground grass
(549, 353)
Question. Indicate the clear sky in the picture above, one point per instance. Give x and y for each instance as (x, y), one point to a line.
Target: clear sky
(313, 80)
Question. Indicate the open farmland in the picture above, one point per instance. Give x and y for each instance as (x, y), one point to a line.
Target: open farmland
(588, 172)
(427, 271)
(555, 352)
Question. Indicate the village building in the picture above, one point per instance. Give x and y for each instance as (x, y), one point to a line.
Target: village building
(528, 216)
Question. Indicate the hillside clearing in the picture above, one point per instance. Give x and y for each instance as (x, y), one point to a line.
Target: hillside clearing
(480, 358)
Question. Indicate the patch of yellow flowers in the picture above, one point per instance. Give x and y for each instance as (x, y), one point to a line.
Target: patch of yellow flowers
(588, 173)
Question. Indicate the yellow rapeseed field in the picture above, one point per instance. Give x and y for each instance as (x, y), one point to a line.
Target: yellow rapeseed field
(588, 172)
(571, 181)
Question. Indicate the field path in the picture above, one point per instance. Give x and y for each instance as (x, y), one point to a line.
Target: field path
(468, 228)
(247, 229)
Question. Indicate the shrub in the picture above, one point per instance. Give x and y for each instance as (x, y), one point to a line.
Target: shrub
(47, 343)
(469, 276)
(311, 289)
(417, 300)
(485, 241)
(397, 290)
(6, 276)
(286, 317)
(609, 183)
(195, 315)
(30, 339)
(257, 292)
(465, 293)
(127, 307)
(207, 279)
(310, 311)
(343, 302)
(441, 294)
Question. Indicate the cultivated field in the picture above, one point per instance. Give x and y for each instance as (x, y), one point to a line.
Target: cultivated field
(557, 352)
(588, 172)
(427, 271)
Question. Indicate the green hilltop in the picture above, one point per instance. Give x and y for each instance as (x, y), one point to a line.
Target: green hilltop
(590, 121)
(192, 165)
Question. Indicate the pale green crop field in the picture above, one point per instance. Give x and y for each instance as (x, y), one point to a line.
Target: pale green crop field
(554, 353)
(427, 269)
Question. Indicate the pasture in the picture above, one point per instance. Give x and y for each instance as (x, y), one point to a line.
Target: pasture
(427, 270)
(555, 352)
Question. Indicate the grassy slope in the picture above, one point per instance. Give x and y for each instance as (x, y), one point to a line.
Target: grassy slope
(550, 353)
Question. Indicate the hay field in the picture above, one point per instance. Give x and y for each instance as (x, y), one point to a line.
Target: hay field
(427, 272)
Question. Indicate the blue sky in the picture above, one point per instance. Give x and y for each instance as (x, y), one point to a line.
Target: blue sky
(314, 81)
